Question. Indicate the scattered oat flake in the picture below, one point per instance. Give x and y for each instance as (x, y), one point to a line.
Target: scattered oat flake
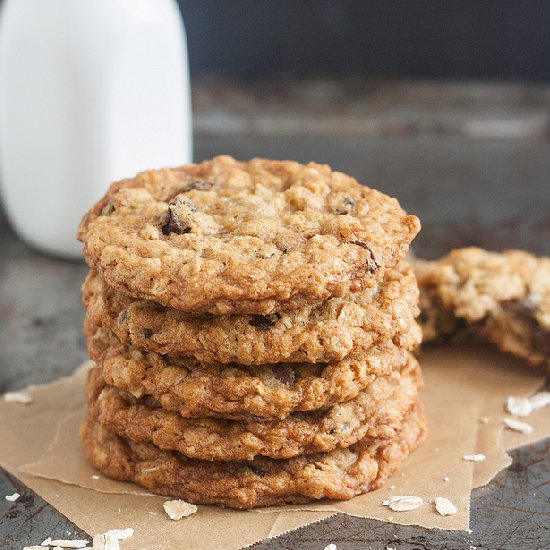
(524, 406)
(445, 478)
(331, 546)
(177, 509)
(120, 534)
(46, 542)
(474, 458)
(518, 425)
(68, 543)
(105, 542)
(445, 507)
(13, 498)
(403, 503)
(392, 487)
(33, 548)
(95, 477)
(519, 406)
(540, 400)
(18, 397)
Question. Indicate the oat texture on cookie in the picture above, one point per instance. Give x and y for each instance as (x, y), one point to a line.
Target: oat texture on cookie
(252, 326)
(502, 297)
(243, 237)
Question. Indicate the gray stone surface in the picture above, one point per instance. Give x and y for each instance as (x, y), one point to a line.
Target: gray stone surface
(489, 188)
(30, 519)
(41, 314)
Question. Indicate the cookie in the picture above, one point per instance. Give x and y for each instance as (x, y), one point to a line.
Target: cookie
(195, 389)
(339, 474)
(316, 333)
(503, 297)
(377, 411)
(243, 237)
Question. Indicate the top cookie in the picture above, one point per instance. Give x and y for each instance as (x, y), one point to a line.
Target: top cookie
(504, 297)
(232, 237)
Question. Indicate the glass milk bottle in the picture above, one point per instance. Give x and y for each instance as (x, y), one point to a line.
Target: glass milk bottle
(91, 91)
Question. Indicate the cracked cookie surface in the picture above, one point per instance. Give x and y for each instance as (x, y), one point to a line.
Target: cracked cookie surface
(503, 297)
(195, 389)
(378, 411)
(232, 237)
(328, 331)
(339, 474)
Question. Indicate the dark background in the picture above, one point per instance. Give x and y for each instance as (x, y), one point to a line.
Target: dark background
(497, 39)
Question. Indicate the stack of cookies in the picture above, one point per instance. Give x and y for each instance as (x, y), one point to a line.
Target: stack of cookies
(251, 325)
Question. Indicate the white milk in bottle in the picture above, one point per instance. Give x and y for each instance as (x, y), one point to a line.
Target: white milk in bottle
(91, 91)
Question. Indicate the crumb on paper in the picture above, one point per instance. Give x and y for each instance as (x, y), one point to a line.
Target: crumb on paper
(524, 406)
(480, 457)
(484, 419)
(110, 539)
(403, 503)
(177, 509)
(105, 542)
(445, 507)
(120, 534)
(519, 406)
(95, 476)
(540, 400)
(68, 543)
(13, 498)
(331, 546)
(18, 397)
(392, 487)
(518, 425)
(446, 478)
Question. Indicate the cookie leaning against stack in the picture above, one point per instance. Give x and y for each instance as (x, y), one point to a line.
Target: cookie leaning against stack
(251, 325)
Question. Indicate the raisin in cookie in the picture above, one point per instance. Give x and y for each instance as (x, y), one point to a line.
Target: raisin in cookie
(504, 297)
(377, 411)
(243, 237)
(339, 474)
(327, 331)
(195, 389)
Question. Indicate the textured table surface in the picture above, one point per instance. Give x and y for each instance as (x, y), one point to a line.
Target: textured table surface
(473, 161)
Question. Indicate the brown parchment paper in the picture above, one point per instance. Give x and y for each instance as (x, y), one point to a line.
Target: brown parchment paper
(463, 385)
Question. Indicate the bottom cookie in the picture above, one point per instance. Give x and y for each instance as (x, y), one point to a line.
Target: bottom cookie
(339, 474)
